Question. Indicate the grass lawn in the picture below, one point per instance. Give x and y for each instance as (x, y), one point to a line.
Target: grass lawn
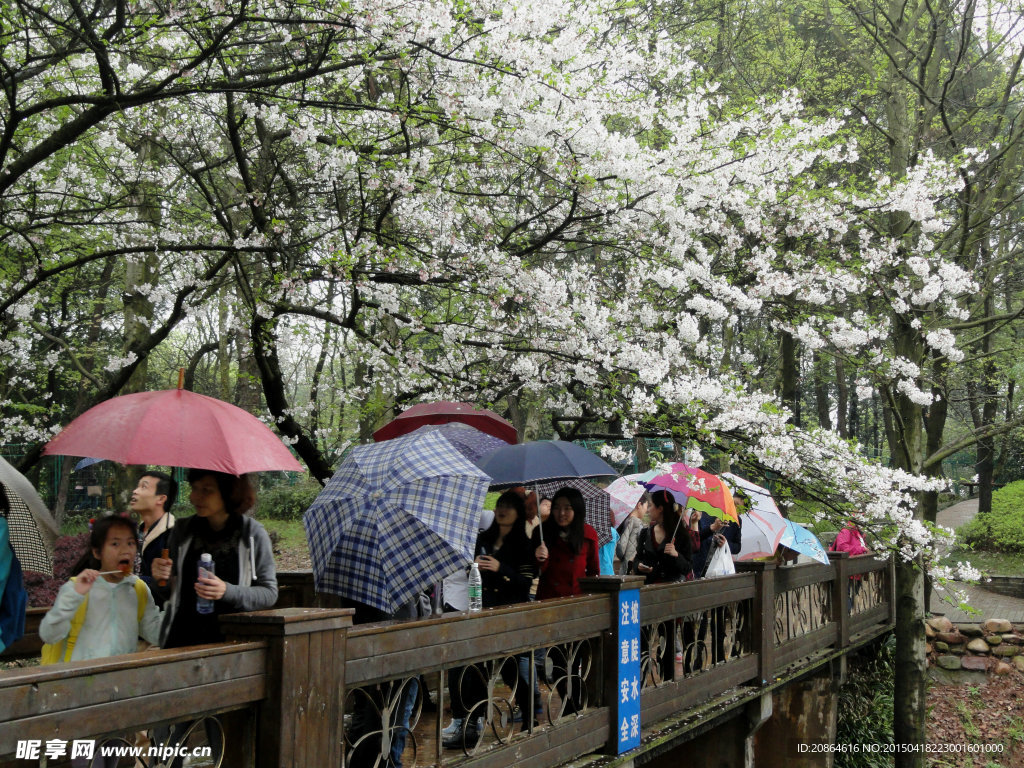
(293, 535)
(989, 563)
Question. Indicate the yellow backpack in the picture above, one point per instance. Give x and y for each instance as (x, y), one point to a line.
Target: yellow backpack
(54, 653)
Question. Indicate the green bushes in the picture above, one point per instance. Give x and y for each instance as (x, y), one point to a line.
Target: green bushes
(1002, 528)
(865, 713)
(287, 501)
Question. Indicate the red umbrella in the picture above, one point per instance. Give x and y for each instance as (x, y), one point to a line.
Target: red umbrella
(175, 428)
(443, 412)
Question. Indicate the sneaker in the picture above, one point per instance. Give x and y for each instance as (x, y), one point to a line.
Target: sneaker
(456, 740)
(454, 727)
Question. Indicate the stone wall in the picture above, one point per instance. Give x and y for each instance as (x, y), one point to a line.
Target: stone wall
(1010, 586)
(995, 645)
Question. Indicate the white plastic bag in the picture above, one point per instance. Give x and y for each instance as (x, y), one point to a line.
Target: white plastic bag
(721, 564)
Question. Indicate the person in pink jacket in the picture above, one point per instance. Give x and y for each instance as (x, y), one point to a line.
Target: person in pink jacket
(851, 540)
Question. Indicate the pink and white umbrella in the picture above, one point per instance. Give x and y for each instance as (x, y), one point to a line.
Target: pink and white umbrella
(763, 525)
(624, 495)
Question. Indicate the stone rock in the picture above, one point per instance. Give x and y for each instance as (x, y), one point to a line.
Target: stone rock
(997, 625)
(994, 639)
(928, 631)
(952, 638)
(949, 662)
(1005, 651)
(1002, 668)
(970, 630)
(1018, 662)
(977, 645)
(1013, 639)
(940, 624)
(974, 663)
(941, 646)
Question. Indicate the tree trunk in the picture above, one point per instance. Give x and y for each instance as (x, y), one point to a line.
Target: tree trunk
(264, 345)
(821, 400)
(909, 691)
(842, 400)
(788, 376)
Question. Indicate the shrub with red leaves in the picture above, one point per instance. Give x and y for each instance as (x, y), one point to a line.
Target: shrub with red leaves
(42, 589)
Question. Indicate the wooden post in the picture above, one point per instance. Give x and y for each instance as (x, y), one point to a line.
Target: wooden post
(763, 619)
(300, 719)
(618, 587)
(841, 596)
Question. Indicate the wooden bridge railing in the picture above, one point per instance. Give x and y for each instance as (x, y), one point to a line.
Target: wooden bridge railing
(302, 686)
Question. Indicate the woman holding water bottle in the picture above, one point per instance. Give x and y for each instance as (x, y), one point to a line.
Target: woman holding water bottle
(242, 576)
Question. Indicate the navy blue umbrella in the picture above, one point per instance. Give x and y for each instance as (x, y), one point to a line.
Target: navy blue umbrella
(527, 463)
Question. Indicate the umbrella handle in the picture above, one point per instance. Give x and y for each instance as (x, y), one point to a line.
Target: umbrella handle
(540, 523)
(680, 520)
(164, 553)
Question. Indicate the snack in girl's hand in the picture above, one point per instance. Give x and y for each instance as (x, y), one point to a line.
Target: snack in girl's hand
(104, 608)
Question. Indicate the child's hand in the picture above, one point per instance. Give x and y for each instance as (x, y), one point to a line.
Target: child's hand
(210, 587)
(161, 568)
(84, 581)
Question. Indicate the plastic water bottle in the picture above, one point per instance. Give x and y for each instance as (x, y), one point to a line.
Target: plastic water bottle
(476, 589)
(204, 605)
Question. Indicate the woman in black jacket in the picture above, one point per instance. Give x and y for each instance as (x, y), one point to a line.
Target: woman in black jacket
(664, 548)
(507, 566)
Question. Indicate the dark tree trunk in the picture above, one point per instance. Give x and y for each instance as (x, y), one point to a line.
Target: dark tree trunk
(264, 345)
(842, 400)
(789, 376)
(821, 400)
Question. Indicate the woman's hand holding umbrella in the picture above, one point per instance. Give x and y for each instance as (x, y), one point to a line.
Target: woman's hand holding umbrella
(670, 549)
(541, 553)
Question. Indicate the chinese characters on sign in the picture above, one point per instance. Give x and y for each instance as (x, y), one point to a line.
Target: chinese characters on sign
(629, 670)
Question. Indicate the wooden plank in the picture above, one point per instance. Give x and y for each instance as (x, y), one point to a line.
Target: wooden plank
(12, 678)
(550, 746)
(799, 647)
(466, 627)
(877, 615)
(308, 727)
(670, 699)
(670, 605)
(867, 564)
(86, 685)
(29, 644)
(799, 576)
(431, 658)
(136, 713)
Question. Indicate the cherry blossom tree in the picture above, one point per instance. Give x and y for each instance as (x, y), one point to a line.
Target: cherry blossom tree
(539, 200)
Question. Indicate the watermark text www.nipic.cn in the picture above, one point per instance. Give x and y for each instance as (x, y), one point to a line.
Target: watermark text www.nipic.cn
(901, 748)
(34, 749)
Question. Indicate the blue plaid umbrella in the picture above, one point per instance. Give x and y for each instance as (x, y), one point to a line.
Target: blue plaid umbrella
(396, 517)
(467, 440)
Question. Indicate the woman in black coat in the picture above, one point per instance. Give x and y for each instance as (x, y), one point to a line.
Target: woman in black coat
(664, 548)
(507, 566)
